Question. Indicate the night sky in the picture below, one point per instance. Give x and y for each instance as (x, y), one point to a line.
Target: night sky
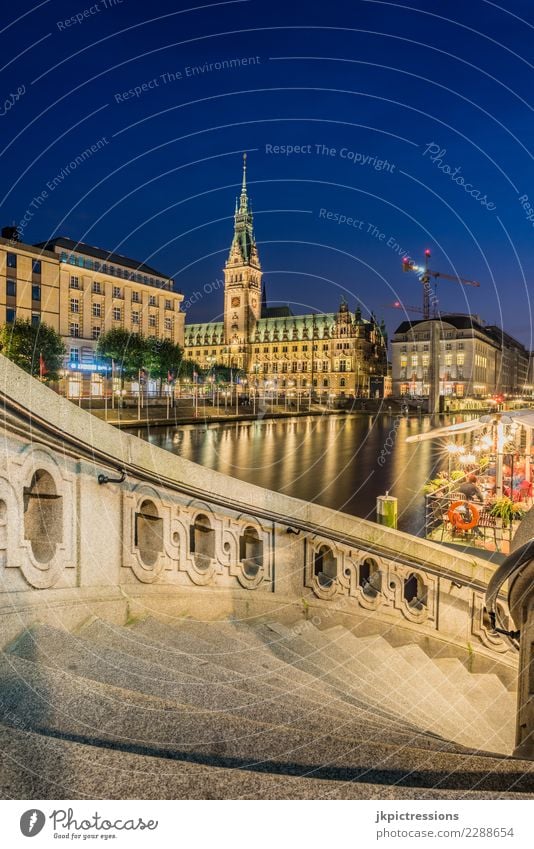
(414, 122)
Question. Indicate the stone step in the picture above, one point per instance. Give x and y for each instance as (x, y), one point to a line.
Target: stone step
(370, 685)
(37, 766)
(65, 706)
(292, 704)
(429, 694)
(459, 709)
(261, 665)
(56, 649)
(488, 695)
(373, 663)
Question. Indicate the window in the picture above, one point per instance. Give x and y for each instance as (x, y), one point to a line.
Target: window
(96, 332)
(36, 319)
(136, 298)
(152, 300)
(74, 305)
(202, 542)
(10, 316)
(135, 318)
(74, 328)
(151, 320)
(168, 324)
(117, 292)
(370, 579)
(414, 592)
(74, 355)
(43, 516)
(36, 266)
(325, 566)
(284, 349)
(11, 260)
(168, 305)
(116, 313)
(97, 288)
(294, 348)
(11, 288)
(149, 533)
(74, 282)
(36, 292)
(97, 310)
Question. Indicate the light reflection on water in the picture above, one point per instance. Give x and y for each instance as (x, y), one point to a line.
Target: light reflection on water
(332, 460)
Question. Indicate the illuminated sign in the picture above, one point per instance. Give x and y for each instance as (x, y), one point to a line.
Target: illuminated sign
(75, 366)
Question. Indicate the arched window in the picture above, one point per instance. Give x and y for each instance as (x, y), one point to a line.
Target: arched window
(43, 516)
(202, 542)
(325, 566)
(251, 552)
(414, 592)
(370, 578)
(149, 532)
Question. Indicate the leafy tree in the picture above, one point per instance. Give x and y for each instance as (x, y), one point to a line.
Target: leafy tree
(128, 351)
(223, 373)
(164, 359)
(188, 369)
(38, 349)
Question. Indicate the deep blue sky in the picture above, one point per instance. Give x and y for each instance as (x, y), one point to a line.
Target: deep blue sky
(377, 78)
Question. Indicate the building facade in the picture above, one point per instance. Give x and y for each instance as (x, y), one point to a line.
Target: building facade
(83, 291)
(29, 282)
(474, 360)
(321, 353)
(513, 372)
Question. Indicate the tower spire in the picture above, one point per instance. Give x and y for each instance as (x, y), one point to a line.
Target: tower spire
(244, 197)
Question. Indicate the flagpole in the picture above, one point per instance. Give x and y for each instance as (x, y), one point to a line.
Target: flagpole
(112, 383)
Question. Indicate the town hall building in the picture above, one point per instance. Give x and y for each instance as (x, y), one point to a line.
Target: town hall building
(325, 354)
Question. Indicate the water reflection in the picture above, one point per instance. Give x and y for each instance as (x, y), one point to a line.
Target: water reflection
(331, 460)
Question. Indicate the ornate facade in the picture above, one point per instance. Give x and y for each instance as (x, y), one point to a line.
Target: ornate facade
(324, 353)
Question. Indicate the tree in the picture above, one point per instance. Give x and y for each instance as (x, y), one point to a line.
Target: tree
(38, 349)
(127, 351)
(163, 360)
(224, 374)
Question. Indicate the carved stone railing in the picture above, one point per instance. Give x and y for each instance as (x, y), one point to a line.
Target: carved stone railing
(96, 521)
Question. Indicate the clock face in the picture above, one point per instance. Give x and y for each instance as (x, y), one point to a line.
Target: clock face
(236, 302)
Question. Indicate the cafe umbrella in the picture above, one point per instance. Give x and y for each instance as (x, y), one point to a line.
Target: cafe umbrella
(497, 424)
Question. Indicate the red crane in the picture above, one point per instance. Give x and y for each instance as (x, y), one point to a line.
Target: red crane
(425, 273)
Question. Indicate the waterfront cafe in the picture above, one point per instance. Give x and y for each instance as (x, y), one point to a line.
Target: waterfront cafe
(484, 486)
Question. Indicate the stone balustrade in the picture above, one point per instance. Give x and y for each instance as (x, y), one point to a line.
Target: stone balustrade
(175, 537)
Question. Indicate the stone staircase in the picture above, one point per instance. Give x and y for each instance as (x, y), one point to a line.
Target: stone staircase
(236, 710)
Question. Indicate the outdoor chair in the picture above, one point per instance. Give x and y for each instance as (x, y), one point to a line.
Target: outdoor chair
(486, 520)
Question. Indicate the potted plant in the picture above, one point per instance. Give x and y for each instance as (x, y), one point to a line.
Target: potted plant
(507, 510)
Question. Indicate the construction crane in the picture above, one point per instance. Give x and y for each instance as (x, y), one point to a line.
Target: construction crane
(398, 305)
(425, 274)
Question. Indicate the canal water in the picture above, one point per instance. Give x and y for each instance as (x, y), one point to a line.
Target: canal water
(342, 462)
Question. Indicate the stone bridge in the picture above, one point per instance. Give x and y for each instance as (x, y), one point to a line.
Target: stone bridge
(128, 574)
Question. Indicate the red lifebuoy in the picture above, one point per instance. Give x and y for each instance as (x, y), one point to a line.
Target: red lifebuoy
(456, 519)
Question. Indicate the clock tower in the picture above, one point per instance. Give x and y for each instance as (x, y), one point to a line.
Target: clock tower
(242, 283)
